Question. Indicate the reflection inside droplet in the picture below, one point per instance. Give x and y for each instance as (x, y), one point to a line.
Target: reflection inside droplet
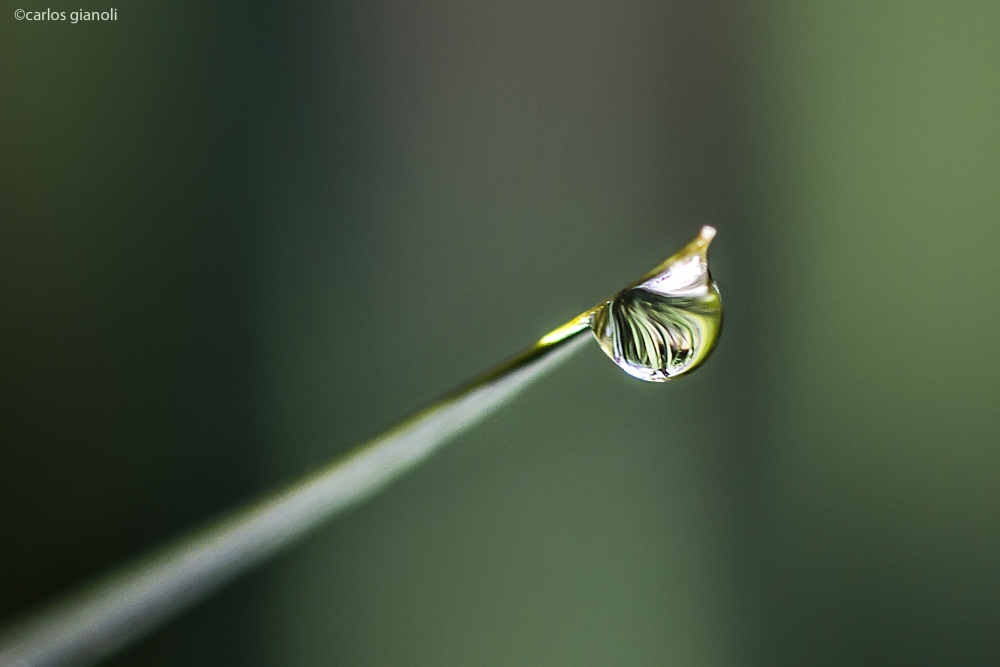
(668, 323)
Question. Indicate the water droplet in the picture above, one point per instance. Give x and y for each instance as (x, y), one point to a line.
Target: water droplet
(667, 324)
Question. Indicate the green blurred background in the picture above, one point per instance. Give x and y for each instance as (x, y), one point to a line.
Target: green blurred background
(238, 238)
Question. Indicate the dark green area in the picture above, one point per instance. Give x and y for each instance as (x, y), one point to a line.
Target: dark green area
(236, 239)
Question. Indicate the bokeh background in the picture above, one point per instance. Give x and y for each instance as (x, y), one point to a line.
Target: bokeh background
(238, 238)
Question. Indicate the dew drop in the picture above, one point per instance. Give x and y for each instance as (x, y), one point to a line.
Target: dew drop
(667, 324)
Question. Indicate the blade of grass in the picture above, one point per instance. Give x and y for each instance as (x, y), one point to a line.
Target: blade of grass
(109, 614)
